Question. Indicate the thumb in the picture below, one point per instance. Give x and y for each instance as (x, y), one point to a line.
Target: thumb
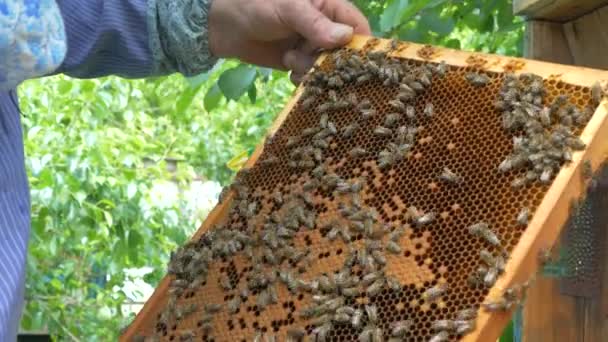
(303, 18)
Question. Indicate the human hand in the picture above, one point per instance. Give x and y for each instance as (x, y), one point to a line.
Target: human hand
(282, 34)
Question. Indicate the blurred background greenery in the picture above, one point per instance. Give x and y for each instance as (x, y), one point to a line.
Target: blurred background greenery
(123, 171)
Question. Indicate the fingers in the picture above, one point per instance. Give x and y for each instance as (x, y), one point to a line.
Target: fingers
(344, 12)
(296, 78)
(298, 61)
(313, 25)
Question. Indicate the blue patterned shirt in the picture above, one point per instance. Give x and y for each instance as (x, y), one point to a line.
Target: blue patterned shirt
(129, 38)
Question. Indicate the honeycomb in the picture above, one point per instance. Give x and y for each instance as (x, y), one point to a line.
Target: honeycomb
(464, 134)
(584, 242)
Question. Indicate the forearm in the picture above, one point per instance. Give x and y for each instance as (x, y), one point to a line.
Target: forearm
(135, 38)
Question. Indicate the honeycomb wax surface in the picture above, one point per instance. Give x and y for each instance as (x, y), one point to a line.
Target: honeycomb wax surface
(464, 134)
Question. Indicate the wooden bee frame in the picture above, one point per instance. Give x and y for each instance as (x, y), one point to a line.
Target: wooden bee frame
(550, 215)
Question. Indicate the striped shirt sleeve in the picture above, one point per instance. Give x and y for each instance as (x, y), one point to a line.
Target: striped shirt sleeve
(135, 38)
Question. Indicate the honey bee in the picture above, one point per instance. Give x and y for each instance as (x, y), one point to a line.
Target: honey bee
(406, 96)
(335, 82)
(477, 80)
(482, 230)
(352, 99)
(519, 182)
(372, 313)
(425, 80)
(448, 176)
(597, 93)
(349, 130)
(490, 277)
(233, 305)
(383, 131)
(393, 247)
(372, 67)
(345, 235)
(322, 332)
(537, 86)
(425, 219)
(444, 325)
(400, 328)
(464, 327)
(325, 107)
(341, 318)
(377, 335)
(358, 152)
(429, 110)
(393, 284)
(225, 283)
(307, 103)
(295, 334)
(466, 314)
(441, 69)
(357, 319)
(416, 86)
(500, 305)
(523, 217)
(392, 119)
(366, 334)
(187, 335)
(379, 257)
(397, 104)
(366, 114)
(319, 143)
(434, 293)
(292, 141)
(212, 308)
(364, 78)
(546, 175)
(575, 143)
(442, 336)
(410, 112)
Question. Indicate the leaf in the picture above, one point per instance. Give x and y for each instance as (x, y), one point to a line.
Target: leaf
(237, 162)
(108, 217)
(198, 80)
(135, 240)
(507, 334)
(212, 98)
(264, 73)
(235, 82)
(131, 190)
(252, 93)
(432, 20)
(185, 99)
(453, 44)
(392, 14)
(64, 86)
(56, 284)
(410, 11)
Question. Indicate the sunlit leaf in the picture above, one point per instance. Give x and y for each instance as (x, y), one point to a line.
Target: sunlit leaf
(391, 16)
(212, 98)
(235, 82)
(238, 161)
(252, 93)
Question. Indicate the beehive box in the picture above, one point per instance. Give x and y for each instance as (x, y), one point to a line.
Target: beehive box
(406, 201)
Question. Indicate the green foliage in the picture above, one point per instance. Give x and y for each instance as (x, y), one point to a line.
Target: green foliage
(95, 148)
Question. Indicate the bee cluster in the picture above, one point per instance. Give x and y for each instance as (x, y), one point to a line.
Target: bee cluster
(544, 137)
(262, 230)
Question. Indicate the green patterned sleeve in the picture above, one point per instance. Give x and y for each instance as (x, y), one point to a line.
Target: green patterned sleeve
(179, 36)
